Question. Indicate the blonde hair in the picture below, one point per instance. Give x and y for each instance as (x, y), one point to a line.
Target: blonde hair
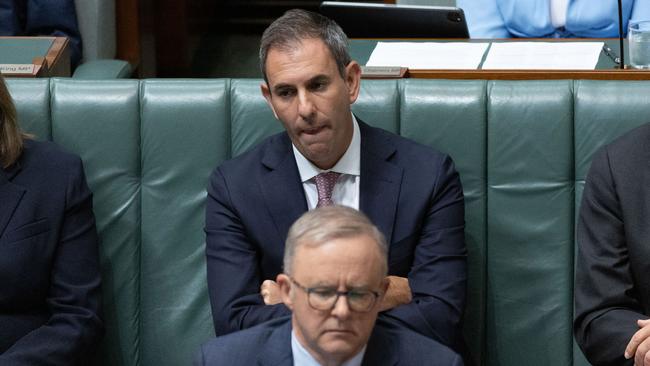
(11, 138)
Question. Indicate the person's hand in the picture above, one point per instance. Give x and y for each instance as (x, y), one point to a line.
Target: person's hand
(639, 346)
(270, 292)
(398, 293)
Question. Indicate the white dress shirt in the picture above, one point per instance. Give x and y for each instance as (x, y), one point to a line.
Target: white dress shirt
(558, 12)
(301, 357)
(346, 190)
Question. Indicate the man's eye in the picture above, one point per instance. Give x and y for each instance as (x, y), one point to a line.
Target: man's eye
(324, 294)
(284, 93)
(358, 295)
(317, 86)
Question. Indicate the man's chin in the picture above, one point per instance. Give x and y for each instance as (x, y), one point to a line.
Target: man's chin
(318, 154)
(340, 349)
(339, 341)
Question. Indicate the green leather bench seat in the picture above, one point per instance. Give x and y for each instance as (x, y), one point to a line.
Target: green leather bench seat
(522, 148)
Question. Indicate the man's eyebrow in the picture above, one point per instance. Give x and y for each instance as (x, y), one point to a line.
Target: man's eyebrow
(281, 86)
(350, 287)
(319, 78)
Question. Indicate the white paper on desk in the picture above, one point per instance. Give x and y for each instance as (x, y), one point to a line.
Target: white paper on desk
(428, 55)
(543, 55)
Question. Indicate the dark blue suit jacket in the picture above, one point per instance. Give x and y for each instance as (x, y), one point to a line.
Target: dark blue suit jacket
(411, 192)
(269, 344)
(42, 18)
(612, 288)
(49, 266)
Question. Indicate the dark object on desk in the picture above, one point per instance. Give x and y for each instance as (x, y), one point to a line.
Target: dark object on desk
(612, 55)
(621, 65)
(369, 20)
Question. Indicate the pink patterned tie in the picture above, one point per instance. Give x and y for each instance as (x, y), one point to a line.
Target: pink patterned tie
(325, 185)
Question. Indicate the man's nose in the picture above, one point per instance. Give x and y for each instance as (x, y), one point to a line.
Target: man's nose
(341, 307)
(305, 105)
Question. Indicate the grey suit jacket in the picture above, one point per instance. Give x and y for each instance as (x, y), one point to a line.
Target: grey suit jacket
(613, 265)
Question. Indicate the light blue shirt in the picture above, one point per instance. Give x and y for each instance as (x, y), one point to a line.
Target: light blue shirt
(532, 18)
(301, 357)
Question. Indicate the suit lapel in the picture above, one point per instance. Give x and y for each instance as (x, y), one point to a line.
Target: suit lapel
(380, 179)
(281, 185)
(10, 196)
(277, 349)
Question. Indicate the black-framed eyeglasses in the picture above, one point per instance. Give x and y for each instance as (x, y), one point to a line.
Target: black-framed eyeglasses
(324, 298)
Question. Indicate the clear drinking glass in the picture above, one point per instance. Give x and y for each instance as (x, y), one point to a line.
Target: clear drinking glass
(638, 38)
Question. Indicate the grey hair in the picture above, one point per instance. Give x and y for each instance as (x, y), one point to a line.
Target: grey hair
(324, 224)
(286, 32)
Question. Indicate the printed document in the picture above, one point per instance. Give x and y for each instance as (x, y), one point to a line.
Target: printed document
(428, 55)
(543, 55)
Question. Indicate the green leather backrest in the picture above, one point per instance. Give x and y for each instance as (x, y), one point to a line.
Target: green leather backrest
(604, 110)
(450, 115)
(100, 122)
(522, 150)
(530, 223)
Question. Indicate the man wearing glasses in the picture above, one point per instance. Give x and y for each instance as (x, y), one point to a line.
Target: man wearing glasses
(335, 267)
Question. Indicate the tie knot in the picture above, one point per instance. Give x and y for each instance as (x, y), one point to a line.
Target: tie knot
(325, 183)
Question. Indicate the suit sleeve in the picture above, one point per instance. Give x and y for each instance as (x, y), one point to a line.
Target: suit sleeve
(75, 327)
(233, 266)
(438, 277)
(605, 307)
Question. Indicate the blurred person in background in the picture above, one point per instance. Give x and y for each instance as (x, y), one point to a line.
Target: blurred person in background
(550, 18)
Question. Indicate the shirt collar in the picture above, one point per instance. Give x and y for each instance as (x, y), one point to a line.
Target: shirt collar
(302, 357)
(349, 163)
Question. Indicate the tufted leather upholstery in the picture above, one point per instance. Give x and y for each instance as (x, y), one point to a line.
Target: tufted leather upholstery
(522, 149)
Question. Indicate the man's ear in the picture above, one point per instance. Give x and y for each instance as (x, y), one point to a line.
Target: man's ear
(266, 92)
(353, 80)
(285, 290)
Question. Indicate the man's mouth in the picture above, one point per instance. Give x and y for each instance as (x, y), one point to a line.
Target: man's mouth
(340, 331)
(313, 131)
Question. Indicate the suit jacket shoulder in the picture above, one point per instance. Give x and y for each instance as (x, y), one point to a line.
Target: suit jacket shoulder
(378, 140)
(394, 345)
(630, 151)
(266, 344)
(269, 150)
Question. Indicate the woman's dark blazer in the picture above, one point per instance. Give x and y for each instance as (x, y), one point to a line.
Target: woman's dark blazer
(49, 266)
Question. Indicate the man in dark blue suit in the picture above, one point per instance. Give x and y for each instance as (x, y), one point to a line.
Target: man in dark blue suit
(327, 155)
(56, 18)
(335, 264)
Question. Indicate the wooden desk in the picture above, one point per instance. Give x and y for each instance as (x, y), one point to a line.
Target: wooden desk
(50, 56)
(361, 49)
